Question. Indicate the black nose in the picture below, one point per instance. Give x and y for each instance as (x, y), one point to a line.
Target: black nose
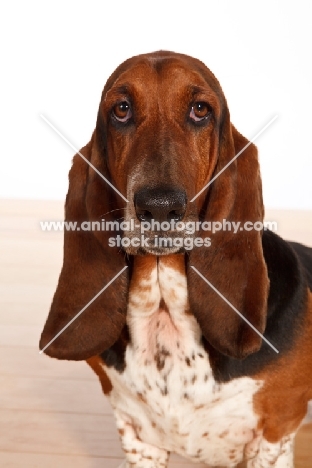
(160, 204)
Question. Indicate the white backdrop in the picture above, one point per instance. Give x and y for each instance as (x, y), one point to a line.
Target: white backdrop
(57, 55)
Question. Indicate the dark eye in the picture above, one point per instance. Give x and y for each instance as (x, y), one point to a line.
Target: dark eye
(199, 111)
(122, 111)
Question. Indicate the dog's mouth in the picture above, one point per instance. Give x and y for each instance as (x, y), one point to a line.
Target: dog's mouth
(156, 242)
(158, 251)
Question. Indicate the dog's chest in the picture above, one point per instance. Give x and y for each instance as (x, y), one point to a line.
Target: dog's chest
(167, 391)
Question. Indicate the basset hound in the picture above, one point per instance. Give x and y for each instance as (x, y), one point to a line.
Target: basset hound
(218, 371)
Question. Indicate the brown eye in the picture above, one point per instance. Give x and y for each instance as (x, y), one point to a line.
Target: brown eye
(199, 111)
(122, 111)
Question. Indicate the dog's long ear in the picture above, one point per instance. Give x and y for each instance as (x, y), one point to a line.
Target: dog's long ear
(234, 263)
(89, 265)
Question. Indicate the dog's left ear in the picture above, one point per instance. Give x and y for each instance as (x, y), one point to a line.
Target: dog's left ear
(234, 263)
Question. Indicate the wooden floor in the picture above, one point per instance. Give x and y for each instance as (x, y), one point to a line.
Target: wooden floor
(52, 413)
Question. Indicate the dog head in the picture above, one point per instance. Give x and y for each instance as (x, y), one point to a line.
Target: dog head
(163, 133)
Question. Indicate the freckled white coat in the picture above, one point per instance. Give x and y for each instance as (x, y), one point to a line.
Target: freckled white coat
(167, 399)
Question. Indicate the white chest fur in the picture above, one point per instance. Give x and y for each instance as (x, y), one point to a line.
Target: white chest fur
(167, 392)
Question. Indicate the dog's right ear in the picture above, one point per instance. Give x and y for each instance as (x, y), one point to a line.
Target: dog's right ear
(89, 265)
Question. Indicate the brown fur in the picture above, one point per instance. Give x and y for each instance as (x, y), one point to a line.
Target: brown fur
(162, 86)
(89, 264)
(287, 380)
(96, 365)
